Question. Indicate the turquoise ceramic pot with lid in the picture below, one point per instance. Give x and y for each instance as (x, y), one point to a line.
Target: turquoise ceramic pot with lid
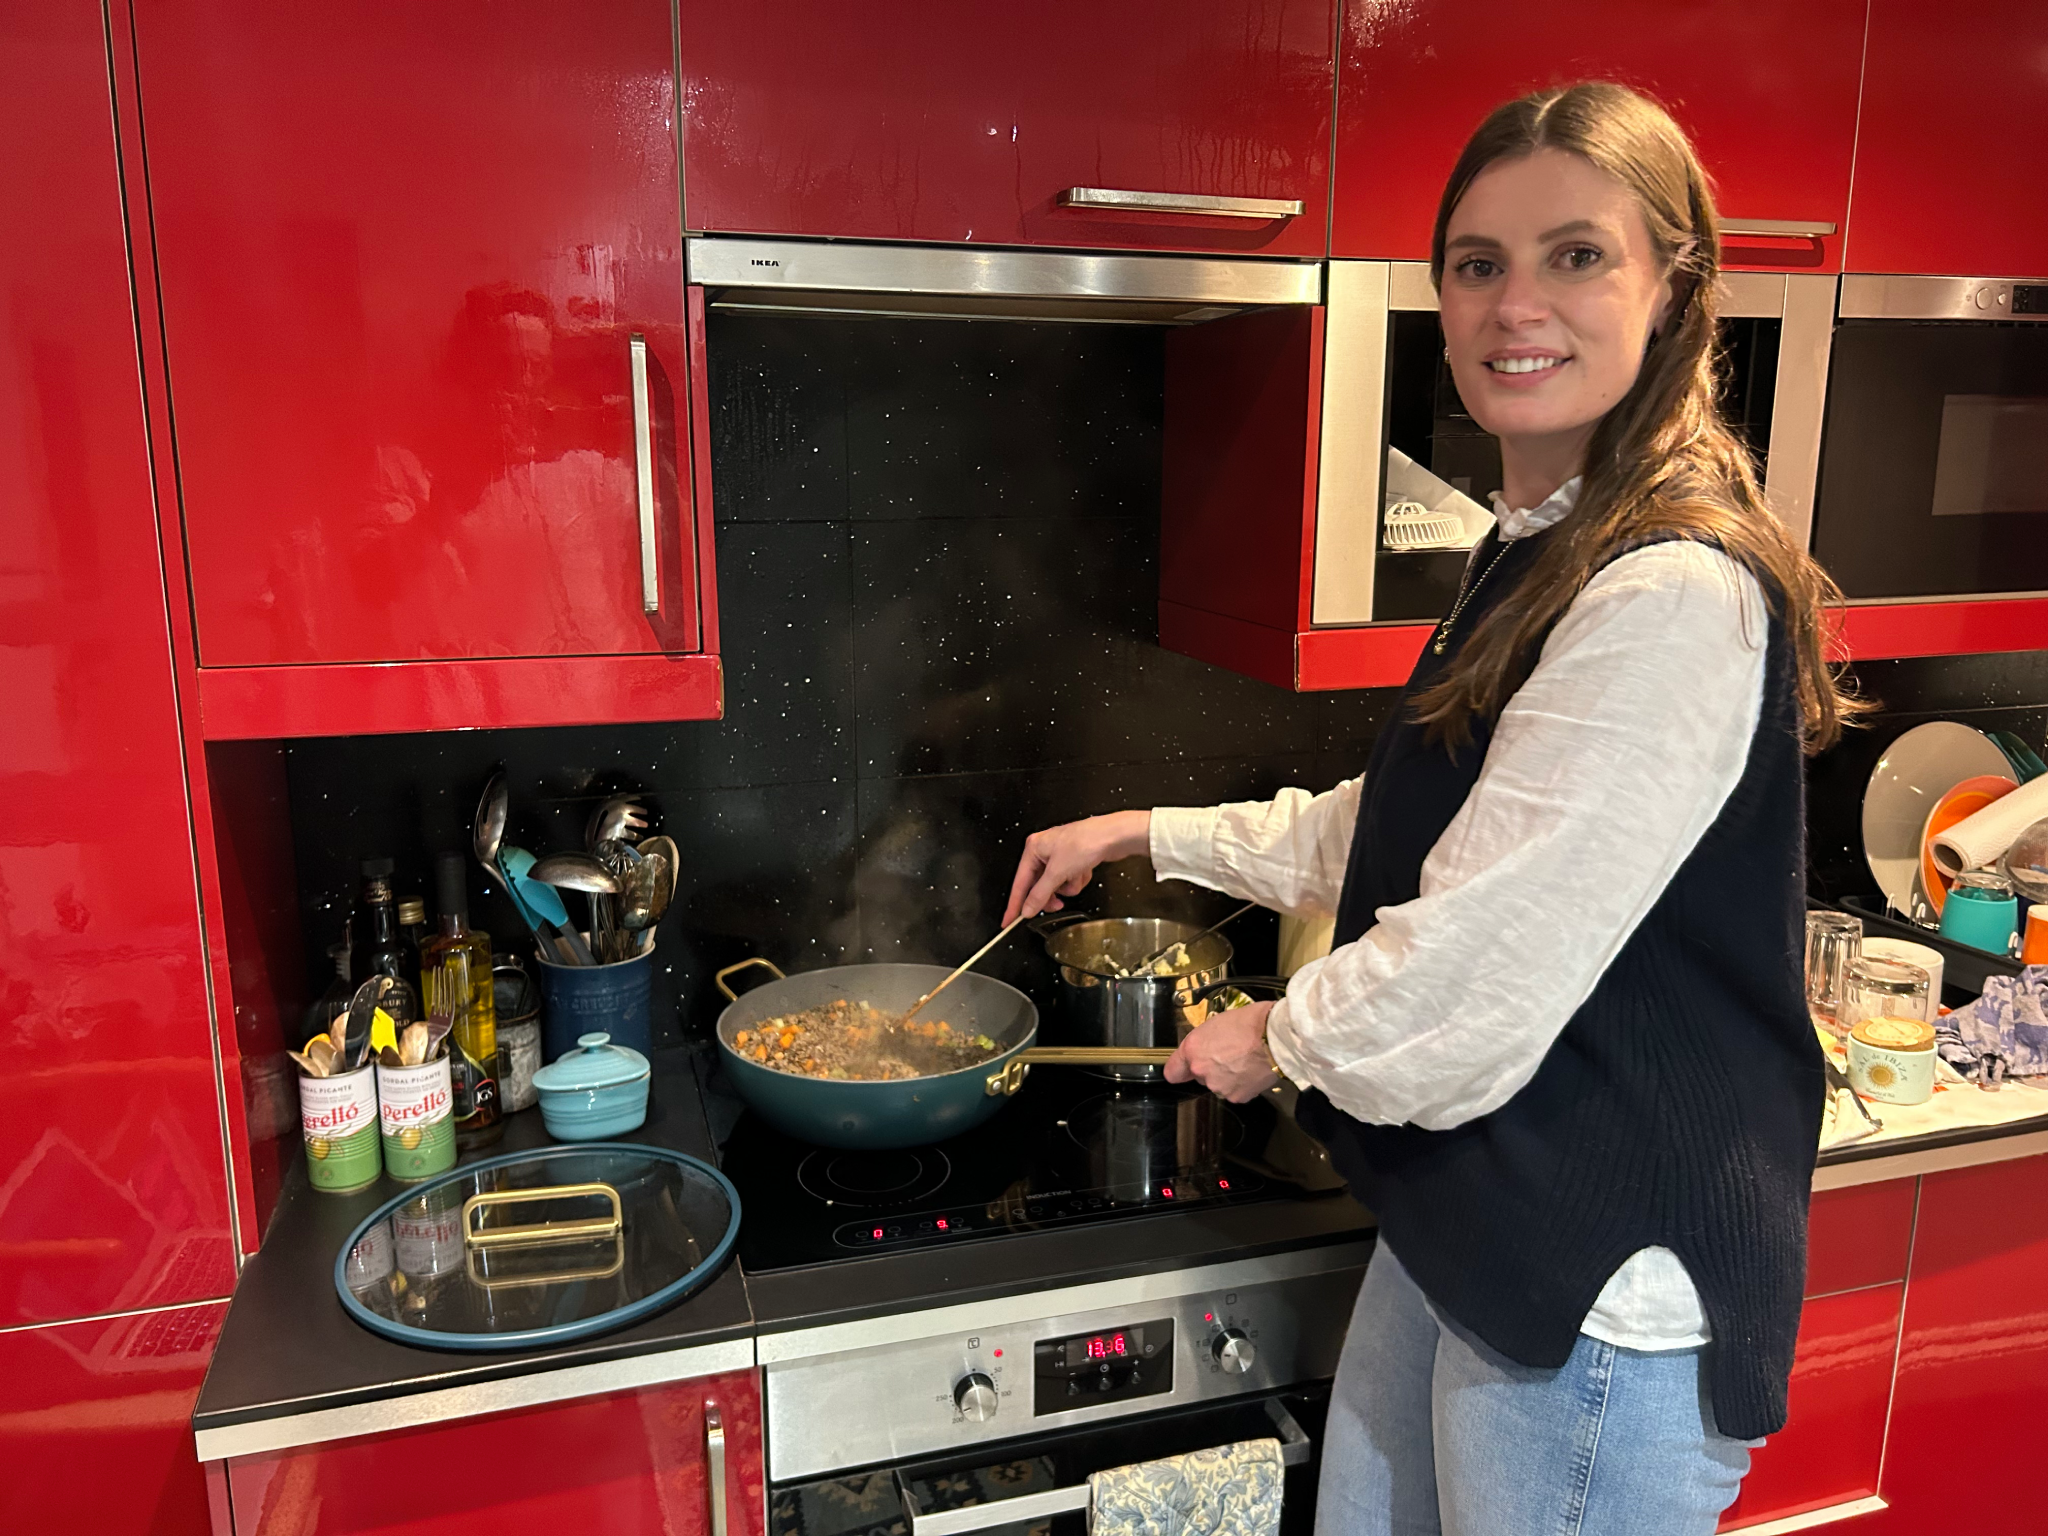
(595, 1091)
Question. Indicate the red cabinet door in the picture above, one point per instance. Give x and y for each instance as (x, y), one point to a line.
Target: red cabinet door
(1955, 113)
(113, 1182)
(625, 1464)
(1832, 1445)
(404, 251)
(1767, 91)
(923, 121)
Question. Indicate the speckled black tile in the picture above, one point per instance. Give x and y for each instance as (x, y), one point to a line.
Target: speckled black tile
(1954, 683)
(950, 420)
(997, 643)
(938, 853)
(778, 418)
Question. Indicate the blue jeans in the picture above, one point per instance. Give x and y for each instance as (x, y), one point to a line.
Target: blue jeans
(1430, 1431)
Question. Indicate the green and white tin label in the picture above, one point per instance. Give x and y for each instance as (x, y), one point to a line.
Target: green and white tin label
(417, 1105)
(338, 1116)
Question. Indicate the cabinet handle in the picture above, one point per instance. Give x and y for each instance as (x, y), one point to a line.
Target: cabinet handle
(643, 465)
(1182, 202)
(714, 1465)
(1784, 228)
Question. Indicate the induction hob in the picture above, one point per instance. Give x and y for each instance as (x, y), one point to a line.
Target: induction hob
(1073, 1148)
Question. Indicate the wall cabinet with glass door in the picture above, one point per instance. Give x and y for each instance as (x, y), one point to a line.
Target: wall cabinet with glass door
(1768, 93)
(1202, 125)
(430, 359)
(1342, 478)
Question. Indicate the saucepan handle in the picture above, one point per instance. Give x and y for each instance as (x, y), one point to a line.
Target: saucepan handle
(1277, 985)
(731, 970)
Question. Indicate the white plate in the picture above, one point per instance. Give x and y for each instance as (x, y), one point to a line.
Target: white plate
(1915, 772)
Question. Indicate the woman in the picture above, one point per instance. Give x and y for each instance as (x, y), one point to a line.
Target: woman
(1559, 1046)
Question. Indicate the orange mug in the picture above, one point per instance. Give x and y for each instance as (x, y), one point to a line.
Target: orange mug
(2035, 950)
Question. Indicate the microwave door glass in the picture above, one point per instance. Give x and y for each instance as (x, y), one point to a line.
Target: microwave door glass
(1934, 464)
(1442, 467)
(1993, 455)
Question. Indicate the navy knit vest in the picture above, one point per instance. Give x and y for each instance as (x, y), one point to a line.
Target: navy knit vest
(1680, 1106)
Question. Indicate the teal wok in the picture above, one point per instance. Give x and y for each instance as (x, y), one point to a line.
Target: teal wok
(900, 1112)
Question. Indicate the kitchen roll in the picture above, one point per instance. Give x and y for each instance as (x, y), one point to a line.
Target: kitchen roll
(1979, 840)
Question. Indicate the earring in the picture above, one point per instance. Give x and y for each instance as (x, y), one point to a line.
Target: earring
(1447, 354)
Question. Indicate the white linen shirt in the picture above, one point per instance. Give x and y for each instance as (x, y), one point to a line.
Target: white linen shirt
(1604, 770)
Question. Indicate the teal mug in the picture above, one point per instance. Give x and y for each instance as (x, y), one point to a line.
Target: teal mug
(1981, 911)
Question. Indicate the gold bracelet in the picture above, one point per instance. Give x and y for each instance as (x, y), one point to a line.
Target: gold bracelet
(1272, 1061)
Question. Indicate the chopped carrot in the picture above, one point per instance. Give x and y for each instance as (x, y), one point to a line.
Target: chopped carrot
(741, 1038)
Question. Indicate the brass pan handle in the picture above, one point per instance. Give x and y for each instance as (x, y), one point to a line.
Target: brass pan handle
(478, 1263)
(581, 1229)
(731, 970)
(1006, 1082)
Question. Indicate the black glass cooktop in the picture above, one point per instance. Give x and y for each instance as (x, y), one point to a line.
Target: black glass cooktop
(1073, 1147)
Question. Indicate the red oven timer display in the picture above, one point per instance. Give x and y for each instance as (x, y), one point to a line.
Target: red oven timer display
(1106, 1366)
(1124, 1344)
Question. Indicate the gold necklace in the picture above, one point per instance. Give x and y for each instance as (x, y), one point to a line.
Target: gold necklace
(1443, 630)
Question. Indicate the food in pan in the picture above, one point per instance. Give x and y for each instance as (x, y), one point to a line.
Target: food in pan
(1172, 963)
(862, 1043)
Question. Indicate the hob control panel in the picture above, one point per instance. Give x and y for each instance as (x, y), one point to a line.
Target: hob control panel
(1103, 1365)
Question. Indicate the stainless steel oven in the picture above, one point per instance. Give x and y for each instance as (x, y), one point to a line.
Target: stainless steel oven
(1934, 468)
(989, 1416)
(1404, 471)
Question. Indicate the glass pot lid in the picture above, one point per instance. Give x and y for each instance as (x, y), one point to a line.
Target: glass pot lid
(539, 1247)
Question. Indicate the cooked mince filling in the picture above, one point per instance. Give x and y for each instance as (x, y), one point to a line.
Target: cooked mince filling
(862, 1043)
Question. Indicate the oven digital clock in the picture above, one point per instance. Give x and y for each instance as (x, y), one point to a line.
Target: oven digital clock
(1106, 1366)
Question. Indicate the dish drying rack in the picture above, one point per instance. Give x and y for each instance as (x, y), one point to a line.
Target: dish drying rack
(1409, 526)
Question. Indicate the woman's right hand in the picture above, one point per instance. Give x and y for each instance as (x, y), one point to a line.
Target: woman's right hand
(1060, 861)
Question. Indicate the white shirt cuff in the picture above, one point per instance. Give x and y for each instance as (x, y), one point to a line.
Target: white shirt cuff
(1184, 843)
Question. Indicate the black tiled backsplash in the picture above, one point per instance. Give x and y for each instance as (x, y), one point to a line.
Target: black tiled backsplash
(938, 578)
(937, 569)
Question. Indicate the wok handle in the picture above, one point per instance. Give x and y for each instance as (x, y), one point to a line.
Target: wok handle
(1004, 1084)
(732, 996)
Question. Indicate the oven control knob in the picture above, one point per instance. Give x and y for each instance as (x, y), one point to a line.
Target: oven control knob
(975, 1396)
(1233, 1351)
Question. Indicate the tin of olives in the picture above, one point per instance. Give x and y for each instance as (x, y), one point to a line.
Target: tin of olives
(417, 1108)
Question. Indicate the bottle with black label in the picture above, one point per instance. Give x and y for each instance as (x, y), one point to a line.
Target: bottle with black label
(380, 945)
(455, 972)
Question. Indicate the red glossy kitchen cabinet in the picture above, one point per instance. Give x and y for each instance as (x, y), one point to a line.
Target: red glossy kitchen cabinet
(1955, 112)
(113, 1180)
(996, 123)
(96, 1420)
(428, 351)
(1973, 1355)
(1768, 92)
(623, 1464)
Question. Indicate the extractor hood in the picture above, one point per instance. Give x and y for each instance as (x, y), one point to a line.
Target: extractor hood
(972, 283)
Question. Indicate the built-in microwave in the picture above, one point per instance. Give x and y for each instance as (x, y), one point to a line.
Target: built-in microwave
(1934, 464)
(1405, 472)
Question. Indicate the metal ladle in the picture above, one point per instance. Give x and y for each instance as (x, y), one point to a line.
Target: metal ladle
(487, 840)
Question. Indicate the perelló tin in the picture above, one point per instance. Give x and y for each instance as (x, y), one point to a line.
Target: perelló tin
(338, 1116)
(1892, 1060)
(417, 1107)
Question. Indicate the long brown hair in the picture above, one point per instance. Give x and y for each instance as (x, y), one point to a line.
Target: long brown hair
(1662, 462)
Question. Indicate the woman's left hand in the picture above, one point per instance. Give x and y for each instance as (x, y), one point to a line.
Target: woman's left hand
(1227, 1055)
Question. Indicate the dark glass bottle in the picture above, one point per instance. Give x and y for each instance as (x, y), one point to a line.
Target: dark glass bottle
(381, 947)
(321, 1014)
(455, 969)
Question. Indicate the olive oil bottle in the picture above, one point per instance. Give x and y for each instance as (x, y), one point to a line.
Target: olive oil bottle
(455, 975)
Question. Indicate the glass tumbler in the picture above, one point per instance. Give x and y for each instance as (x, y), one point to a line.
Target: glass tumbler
(1883, 989)
(1833, 940)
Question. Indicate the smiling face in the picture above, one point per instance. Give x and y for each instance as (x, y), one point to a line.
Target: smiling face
(1550, 291)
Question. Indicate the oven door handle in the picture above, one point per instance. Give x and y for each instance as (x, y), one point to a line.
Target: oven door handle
(1295, 1449)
